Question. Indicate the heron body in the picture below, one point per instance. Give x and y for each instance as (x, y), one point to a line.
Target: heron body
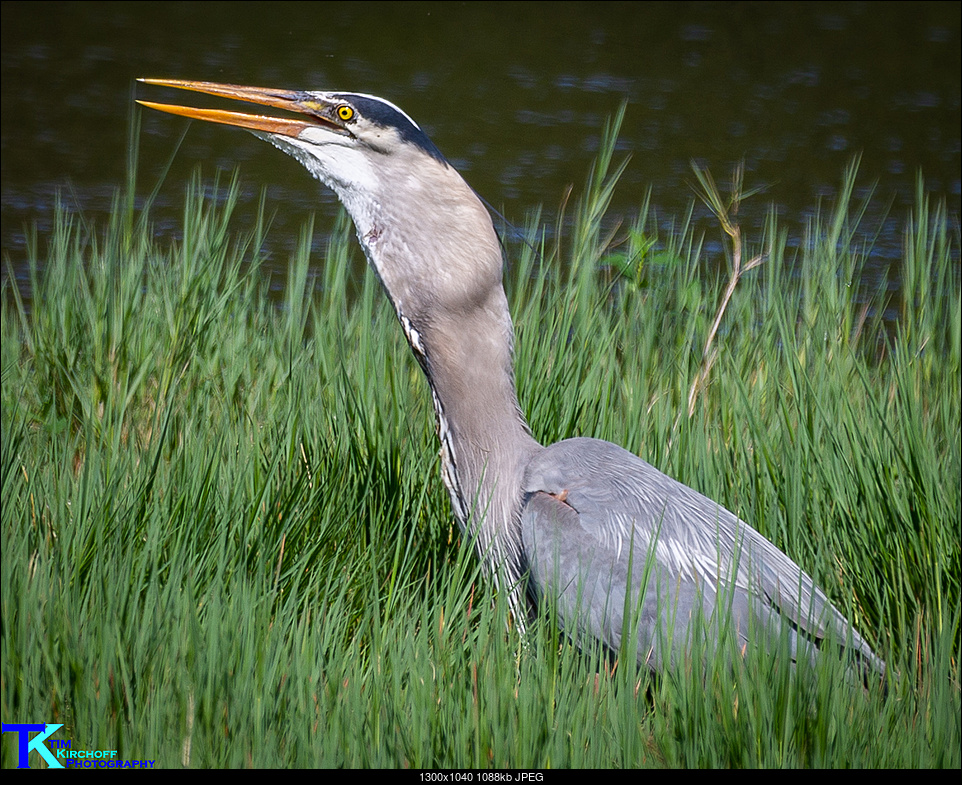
(614, 543)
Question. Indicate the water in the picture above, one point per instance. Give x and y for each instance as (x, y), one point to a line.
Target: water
(514, 94)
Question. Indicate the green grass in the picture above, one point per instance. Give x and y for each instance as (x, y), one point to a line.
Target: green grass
(226, 541)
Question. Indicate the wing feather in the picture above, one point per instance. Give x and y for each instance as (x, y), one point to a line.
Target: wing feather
(607, 535)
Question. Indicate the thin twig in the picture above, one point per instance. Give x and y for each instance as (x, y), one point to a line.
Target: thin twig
(724, 213)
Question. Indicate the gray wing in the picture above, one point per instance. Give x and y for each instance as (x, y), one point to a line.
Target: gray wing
(612, 541)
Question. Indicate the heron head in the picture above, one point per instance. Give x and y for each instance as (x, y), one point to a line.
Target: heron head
(344, 139)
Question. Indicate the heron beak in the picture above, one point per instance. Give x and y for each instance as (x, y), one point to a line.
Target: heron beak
(291, 100)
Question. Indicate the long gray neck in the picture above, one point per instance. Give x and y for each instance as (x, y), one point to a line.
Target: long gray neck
(438, 257)
(485, 441)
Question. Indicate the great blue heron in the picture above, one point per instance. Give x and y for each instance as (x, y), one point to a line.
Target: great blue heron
(591, 526)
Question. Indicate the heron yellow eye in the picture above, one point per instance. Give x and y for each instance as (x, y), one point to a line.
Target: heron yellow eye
(345, 112)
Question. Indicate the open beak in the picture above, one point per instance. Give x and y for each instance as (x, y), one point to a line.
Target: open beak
(291, 100)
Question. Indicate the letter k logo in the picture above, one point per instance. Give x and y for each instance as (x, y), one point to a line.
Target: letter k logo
(26, 745)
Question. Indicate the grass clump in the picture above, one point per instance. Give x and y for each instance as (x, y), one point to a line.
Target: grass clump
(226, 542)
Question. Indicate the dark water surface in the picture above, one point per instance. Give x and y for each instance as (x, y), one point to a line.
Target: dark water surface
(515, 94)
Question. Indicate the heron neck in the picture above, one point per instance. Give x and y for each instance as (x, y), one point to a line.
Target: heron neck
(449, 298)
(485, 441)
